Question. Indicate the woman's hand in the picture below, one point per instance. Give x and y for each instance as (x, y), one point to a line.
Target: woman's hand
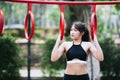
(96, 49)
(57, 50)
(59, 39)
(95, 40)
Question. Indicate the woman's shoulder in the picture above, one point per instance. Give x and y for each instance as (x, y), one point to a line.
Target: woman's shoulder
(67, 43)
(87, 42)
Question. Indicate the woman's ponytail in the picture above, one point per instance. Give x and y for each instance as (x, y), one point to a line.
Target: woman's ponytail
(86, 36)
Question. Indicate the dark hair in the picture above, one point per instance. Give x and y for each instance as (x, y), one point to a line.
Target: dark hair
(81, 27)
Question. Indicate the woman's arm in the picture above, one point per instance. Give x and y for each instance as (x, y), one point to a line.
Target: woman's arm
(57, 50)
(96, 50)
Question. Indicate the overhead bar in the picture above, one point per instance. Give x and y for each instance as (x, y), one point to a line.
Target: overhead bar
(66, 2)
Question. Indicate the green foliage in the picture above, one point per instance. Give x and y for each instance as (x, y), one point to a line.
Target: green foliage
(117, 7)
(110, 66)
(47, 66)
(54, 14)
(100, 29)
(10, 60)
(14, 32)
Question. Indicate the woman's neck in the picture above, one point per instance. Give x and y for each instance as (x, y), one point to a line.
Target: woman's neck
(77, 41)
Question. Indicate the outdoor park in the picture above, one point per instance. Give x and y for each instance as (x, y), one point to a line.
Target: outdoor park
(29, 30)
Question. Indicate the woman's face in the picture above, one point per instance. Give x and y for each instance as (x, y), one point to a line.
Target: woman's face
(74, 33)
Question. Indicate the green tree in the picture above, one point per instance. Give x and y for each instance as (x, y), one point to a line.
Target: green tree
(47, 66)
(76, 13)
(6, 7)
(10, 60)
(117, 7)
(110, 66)
(79, 13)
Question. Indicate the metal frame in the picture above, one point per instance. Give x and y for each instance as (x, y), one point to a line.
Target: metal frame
(66, 2)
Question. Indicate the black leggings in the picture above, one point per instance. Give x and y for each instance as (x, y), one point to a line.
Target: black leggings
(76, 77)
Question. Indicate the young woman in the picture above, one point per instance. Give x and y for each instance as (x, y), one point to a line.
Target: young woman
(76, 52)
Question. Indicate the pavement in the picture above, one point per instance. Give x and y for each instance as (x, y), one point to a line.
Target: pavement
(36, 73)
(33, 73)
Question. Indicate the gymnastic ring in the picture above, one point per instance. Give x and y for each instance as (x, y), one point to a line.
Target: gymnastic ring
(61, 26)
(1, 21)
(26, 25)
(93, 25)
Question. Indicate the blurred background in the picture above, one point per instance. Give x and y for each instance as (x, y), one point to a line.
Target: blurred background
(13, 45)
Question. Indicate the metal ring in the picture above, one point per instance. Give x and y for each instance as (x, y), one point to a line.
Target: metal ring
(61, 30)
(1, 21)
(26, 25)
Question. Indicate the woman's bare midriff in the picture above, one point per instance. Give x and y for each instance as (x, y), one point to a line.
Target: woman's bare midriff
(76, 68)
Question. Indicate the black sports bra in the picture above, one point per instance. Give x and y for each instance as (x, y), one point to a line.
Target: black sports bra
(76, 51)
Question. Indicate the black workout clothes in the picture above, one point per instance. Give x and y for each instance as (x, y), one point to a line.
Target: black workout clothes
(76, 51)
(76, 77)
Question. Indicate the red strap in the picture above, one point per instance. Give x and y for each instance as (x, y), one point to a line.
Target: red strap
(61, 27)
(29, 7)
(93, 23)
(26, 23)
(1, 21)
(94, 8)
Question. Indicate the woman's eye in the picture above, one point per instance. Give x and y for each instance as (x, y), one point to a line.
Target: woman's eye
(75, 30)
